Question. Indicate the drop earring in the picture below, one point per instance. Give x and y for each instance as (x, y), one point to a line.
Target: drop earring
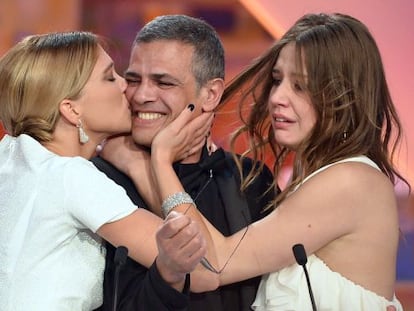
(344, 136)
(83, 137)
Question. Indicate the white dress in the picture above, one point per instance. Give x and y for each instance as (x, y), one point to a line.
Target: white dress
(287, 289)
(50, 209)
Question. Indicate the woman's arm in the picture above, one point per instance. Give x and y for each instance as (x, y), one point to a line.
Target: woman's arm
(336, 220)
(334, 209)
(177, 245)
(164, 151)
(130, 159)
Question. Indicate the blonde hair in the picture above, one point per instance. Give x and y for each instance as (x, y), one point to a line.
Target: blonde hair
(37, 74)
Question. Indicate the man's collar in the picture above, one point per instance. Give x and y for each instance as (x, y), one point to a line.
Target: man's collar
(215, 162)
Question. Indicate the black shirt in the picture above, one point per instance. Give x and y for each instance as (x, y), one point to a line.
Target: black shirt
(213, 184)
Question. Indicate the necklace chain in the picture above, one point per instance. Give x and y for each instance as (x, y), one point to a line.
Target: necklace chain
(210, 177)
(204, 261)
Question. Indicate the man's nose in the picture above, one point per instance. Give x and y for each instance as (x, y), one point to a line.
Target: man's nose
(143, 93)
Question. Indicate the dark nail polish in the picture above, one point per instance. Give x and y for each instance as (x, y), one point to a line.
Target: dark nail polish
(191, 107)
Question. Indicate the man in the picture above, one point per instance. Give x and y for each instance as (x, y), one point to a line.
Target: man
(177, 60)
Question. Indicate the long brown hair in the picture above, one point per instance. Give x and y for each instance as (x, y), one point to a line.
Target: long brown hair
(346, 82)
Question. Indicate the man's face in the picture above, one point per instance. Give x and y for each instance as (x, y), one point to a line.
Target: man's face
(160, 85)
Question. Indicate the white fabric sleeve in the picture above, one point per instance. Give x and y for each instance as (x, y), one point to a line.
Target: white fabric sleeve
(91, 197)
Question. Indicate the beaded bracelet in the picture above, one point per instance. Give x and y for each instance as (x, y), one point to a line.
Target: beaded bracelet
(174, 200)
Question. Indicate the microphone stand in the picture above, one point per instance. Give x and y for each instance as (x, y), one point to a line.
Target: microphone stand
(302, 259)
(120, 257)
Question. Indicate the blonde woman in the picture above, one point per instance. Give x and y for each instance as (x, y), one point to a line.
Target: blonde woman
(60, 96)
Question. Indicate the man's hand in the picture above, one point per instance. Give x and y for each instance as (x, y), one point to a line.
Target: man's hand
(135, 162)
(181, 247)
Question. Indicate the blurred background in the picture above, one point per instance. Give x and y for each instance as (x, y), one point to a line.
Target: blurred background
(247, 28)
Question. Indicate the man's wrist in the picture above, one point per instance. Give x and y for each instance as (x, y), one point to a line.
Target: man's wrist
(170, 297)
(174, 279)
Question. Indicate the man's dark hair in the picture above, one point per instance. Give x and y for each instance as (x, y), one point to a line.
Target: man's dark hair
(208, 59)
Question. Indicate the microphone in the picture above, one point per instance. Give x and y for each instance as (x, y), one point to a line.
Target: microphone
(302, 259)
(121, 254)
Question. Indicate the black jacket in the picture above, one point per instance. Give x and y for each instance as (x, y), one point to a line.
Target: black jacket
(213, 183)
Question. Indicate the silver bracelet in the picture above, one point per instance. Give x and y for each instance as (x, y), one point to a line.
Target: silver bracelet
(174, 200)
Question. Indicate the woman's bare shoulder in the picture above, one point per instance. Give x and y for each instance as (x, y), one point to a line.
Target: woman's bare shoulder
(352, 176)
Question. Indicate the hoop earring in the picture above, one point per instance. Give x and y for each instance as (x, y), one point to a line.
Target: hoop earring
(83, 137)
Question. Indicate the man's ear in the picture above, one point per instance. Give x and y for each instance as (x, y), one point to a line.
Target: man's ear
(215, 89)
(68, 111)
